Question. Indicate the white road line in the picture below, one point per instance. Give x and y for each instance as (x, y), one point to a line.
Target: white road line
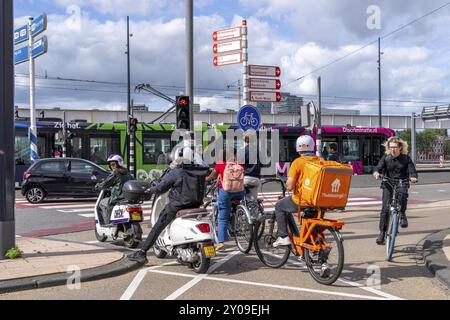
(268, 285)
(200, 277)
(67, 207)
(372, 290)
(442, 190)
(350, 204)
(138, 279)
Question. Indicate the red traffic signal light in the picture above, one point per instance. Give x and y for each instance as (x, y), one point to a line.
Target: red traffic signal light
(133, 124)
(183, 112)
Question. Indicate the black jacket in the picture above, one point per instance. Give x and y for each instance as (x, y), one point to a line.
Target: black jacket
(251, 169)
(401, 167)
(172, 180)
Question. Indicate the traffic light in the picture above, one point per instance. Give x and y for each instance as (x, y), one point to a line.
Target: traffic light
(133, 124)
(183, 116)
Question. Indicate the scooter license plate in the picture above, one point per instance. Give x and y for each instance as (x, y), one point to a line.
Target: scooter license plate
(210, 251)
(136, 216)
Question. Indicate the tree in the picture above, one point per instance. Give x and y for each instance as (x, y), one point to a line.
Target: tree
(447, 149)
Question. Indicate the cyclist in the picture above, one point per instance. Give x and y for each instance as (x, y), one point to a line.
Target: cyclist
(115, 181)
(305, 148)
(395, 164)
(252, 166)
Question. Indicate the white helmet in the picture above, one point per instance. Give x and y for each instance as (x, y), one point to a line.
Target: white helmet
(116, 158)
(305, 144)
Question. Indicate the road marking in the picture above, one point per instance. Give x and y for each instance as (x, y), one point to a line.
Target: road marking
(442, 190)
(200, 277)
(267, 285)
(369, 289)
(134, 285)
(350, 204)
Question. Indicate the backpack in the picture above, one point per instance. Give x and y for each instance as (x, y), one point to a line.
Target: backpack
(193, 186)
(233, 178)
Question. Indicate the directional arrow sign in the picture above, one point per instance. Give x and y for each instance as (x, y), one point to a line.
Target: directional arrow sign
(264, 71)
(39, 25)
(39, 47)
(21, 55)
(261, 83)
(265, 96)
(227, 34)
(227, 59)
(21, 35)
(227, 46)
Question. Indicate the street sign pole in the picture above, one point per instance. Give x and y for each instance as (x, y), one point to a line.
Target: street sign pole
(33, 130)
(190, 58)
(7, 220)
(245, 61)
(319, 118)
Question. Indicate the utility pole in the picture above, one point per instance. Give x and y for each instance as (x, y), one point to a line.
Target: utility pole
(129, 111)
(7, 220)
(319, 118)
(239, 94)
(413, 138)
(245, 61)
(380, 122)
(190, 58)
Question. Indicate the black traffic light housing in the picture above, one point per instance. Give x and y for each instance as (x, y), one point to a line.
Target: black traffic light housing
(183, 115)
(133, 124)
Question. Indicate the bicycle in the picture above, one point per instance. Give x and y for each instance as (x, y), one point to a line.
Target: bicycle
(243, 216)
(394, 215)
(248, 119)
(318, 242)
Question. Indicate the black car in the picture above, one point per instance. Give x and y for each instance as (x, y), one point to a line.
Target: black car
(61, 177)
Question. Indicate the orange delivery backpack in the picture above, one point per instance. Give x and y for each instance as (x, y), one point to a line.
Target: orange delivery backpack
(325, 184)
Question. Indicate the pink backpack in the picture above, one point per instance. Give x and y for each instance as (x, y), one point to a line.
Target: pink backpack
(233, 178)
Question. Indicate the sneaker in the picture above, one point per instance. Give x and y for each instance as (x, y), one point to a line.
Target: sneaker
(381, 238)
(282, 242)
(219, 246)
(403, 221)
(138, 256)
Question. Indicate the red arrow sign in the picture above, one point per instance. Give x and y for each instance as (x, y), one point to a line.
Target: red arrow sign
(265, 96)
(264, 71)
(262, 83)
(227, 46)
(227, 59)
(227, 34)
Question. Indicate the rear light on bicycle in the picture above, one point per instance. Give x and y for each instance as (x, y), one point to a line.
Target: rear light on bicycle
(204, 227)
(26, 175)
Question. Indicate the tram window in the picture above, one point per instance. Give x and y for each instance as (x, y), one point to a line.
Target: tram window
(350, 149)
(378, 150)
(102, 147)
(76, 147)
(22, 150)
(288, 151)
(156, 151)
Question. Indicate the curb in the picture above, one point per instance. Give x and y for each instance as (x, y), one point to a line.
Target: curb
(113, 269)
(434, 257)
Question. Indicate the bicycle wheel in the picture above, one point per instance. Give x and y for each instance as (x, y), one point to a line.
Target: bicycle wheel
(243, 230)
(265, 233)
(391, 235)
(325, 266)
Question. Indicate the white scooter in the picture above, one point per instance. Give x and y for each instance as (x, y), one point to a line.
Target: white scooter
(125, 222)
(188, 237)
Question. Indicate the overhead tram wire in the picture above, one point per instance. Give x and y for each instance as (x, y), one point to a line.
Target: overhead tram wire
(370, 43)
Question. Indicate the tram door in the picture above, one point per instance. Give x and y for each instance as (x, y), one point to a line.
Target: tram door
(372, 152)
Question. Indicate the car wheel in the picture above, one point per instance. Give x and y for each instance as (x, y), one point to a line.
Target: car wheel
(35, 195)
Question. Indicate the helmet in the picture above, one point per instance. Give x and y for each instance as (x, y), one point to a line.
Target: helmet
(185, 154)
(116, 158)
(305, 144)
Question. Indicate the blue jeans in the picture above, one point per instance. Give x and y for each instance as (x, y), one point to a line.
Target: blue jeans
(224, 206)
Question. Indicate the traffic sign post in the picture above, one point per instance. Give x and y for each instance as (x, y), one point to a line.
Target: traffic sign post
(227, 46)
(249, 118)
(227, 34)
(261, 83)
(264, 71)
(29, 53)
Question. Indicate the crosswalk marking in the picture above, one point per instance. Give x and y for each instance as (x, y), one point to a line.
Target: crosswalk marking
(85, 209)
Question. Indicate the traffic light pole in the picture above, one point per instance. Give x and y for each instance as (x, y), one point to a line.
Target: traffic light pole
(7, 220)
(190, 59)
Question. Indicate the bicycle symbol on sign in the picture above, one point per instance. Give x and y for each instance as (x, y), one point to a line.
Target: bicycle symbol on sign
(249, 120)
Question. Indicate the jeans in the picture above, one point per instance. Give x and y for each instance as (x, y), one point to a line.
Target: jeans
(224, 207)
(282, 209)
(387, 196)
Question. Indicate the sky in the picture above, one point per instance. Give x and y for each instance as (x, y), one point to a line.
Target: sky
(336, 40)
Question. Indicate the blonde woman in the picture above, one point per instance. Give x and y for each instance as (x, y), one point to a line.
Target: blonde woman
(395, 164)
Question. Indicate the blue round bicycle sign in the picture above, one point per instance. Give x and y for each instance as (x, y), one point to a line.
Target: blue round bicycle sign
(249, 118)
